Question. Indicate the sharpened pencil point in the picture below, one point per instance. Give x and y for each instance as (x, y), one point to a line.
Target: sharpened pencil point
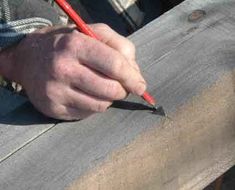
(158, 110)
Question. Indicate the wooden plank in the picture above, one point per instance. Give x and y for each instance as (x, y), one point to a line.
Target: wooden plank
(19, 123)
(190, 69)
(172, 29)
(185, 153)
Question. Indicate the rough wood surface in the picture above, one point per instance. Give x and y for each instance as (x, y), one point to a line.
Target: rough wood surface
(189, 66)
(19, 123)
(175, 153)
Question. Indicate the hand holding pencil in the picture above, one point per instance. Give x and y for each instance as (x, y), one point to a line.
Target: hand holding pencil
(69, 75)
(86, 30)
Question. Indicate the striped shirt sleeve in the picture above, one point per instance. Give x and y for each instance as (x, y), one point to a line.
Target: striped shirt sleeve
(20, 17)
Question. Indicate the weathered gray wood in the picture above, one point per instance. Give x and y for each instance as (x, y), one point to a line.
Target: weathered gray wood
(190, 69)
(19, 123)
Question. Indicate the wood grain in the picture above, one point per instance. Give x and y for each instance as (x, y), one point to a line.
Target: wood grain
(19, 123)
(175, 153)
(189, 67)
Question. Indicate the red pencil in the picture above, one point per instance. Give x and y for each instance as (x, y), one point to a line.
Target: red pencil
(82, 26)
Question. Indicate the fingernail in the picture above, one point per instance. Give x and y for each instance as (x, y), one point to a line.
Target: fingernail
(140, 89)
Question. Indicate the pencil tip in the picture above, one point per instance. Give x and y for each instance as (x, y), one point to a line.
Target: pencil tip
(159, 111)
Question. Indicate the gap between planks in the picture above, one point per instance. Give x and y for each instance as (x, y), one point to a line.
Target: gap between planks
(26, 143)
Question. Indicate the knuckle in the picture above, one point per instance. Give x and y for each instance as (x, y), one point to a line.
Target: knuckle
(75, 34)
(112, 89)
(70, 39)
(101, 107)
(128, 49)
(48, 91)
(53, 111)
(117, 66)
(66, 42)
(52, 93)
(103, 26)
(61, 71)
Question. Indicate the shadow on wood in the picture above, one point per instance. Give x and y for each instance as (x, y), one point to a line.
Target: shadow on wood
(26, 114)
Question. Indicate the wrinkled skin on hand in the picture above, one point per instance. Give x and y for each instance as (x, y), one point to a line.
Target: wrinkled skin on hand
(68, 75)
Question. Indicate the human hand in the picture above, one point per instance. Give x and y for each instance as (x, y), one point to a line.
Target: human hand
(68, 75)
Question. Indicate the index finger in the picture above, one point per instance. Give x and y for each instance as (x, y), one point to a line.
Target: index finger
(117, 42)
(100, 57)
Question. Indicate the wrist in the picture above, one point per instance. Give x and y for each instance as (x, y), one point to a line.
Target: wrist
(7, 69)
